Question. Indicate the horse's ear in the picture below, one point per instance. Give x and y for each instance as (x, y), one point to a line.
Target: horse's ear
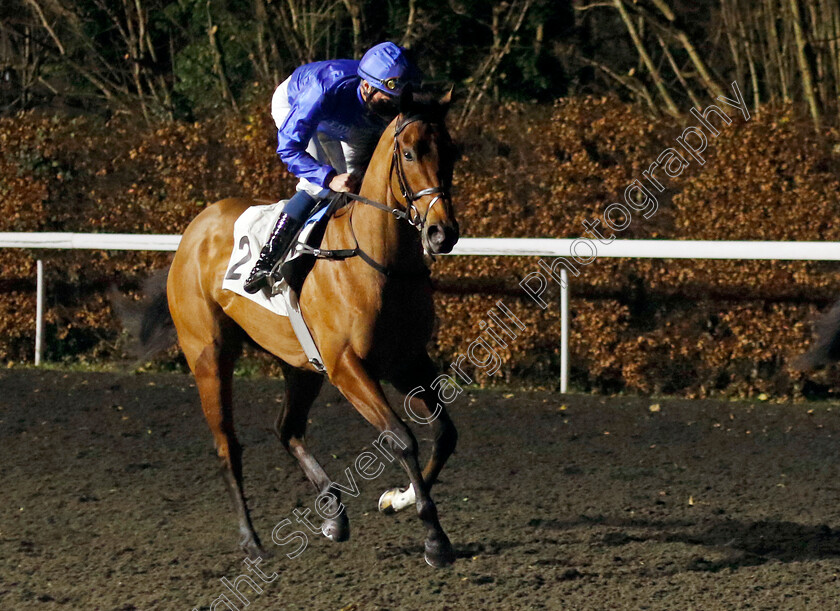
(446, 99)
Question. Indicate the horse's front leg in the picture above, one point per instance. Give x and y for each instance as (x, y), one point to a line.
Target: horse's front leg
(365, 393)
(424, 407)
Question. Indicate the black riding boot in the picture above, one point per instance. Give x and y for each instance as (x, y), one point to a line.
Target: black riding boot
(278, 244)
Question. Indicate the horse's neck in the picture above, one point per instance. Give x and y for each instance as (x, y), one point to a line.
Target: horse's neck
(389, 241)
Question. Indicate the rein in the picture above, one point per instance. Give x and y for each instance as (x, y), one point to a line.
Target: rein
(410, 214)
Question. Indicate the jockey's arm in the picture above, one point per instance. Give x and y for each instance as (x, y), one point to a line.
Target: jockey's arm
(294, 135)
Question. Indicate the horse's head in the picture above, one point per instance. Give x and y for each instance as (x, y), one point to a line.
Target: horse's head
(423, 159)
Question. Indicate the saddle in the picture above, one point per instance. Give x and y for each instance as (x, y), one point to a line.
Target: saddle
(250, 232)
(294, 269)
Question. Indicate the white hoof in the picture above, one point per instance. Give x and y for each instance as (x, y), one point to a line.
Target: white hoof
(395, 500)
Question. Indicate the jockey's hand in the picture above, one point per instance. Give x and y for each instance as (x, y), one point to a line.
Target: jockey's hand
(345, 183)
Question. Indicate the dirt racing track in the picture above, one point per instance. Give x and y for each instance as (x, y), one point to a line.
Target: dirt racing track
(112, 501)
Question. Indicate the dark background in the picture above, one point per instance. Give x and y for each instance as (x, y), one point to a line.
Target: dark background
(187, 58)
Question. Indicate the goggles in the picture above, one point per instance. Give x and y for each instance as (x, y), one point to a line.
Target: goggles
(392, 84)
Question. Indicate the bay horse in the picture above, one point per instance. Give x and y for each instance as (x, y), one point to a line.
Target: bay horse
(371, 316)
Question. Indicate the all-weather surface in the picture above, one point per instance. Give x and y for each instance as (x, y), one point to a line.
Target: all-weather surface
(111, 500)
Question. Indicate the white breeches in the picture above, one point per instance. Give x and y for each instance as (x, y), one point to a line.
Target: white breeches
(323, 148)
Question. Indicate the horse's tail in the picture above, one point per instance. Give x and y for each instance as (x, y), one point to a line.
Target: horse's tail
(148, 321)
(826, 349)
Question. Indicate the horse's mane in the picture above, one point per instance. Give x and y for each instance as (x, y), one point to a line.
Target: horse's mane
(427, 105)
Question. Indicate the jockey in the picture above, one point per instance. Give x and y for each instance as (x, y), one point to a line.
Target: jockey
(321, 111)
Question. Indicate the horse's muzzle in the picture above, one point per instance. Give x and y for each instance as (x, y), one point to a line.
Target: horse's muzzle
(440, 238)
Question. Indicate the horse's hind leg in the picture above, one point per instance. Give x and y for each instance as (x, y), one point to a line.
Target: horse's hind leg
(417, 385)
(213, 369)
(366, 395)
(302, 389)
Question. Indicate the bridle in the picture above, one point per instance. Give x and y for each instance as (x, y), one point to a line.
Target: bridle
(410, 214)
(413, 214)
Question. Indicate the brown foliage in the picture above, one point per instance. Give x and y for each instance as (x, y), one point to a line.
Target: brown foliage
(696, 328)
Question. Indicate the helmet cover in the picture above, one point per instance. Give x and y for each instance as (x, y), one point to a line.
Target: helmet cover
(386, 66)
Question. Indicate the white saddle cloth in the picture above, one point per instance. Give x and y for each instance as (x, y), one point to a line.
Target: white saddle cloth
(250, 232)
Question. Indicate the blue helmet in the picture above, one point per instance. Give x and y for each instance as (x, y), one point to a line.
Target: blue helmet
(387, 67)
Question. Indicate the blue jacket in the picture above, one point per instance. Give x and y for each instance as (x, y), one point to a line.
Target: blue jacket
(325, 97)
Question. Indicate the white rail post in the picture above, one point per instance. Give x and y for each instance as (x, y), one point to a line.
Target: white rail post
(39, 314)
(564, 330)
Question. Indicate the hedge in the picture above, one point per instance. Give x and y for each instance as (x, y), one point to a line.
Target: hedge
(693, 328)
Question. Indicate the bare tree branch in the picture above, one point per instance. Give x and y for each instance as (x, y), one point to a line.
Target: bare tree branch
(487, 70)
(645, 57)
(804, 65)
(218, 60)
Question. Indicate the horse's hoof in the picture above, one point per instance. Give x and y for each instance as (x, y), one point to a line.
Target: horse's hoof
(439, 553)
(337, 529)
(396, 499)
(385, 500)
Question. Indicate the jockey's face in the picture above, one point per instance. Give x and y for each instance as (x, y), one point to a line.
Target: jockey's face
(379, 103)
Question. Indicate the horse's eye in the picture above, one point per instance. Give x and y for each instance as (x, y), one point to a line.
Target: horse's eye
(408, 156)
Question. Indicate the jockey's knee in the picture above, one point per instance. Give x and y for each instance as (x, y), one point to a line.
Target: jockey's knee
(300, 206)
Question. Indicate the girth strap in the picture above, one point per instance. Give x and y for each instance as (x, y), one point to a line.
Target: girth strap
(347, 253)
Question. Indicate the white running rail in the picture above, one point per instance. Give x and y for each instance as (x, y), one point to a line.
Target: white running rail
(522, 247)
